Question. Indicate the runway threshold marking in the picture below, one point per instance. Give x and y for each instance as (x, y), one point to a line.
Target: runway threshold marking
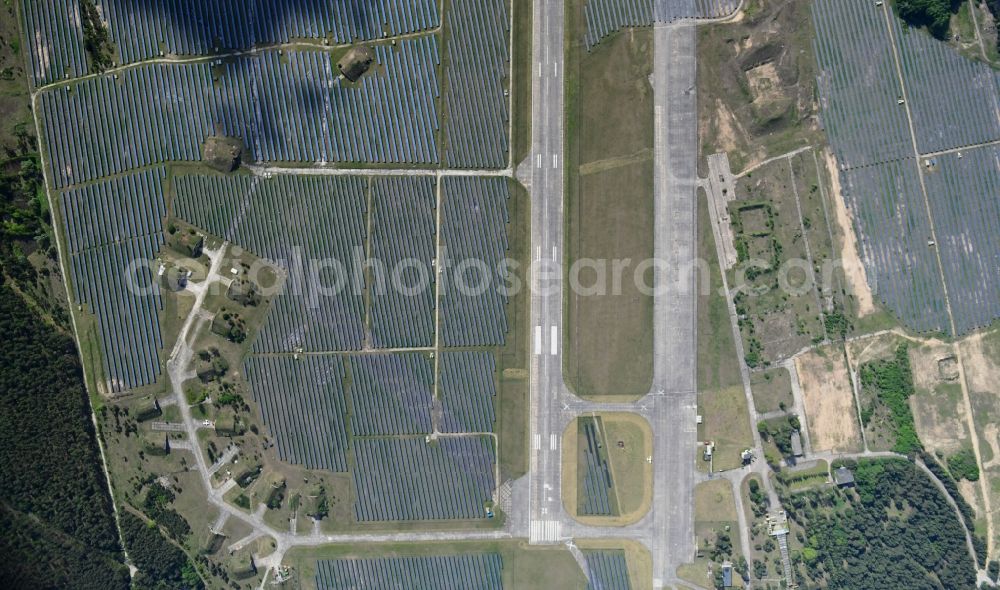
(553, 442)
(538, 340)
(536, 442)
(554, 345)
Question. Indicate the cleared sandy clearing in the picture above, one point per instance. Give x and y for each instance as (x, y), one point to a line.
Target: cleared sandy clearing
(829, 401)
(853, 269)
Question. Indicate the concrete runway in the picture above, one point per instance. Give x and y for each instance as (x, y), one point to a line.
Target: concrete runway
(668, 529)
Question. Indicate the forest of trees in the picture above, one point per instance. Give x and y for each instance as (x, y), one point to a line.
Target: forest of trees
(161, 564)
(933, 14)
(52, 487)
(895, 530)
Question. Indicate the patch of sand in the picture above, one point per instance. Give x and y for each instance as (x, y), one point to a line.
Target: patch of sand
(992, 435)
(725, 122)
(982, 365)
(938, 431)
(829, 401)
(853, 269)
(970, 492)
(764, 82)
(924, 363)
(41, 51)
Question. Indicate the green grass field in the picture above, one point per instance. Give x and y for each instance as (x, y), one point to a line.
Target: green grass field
(552, 568)
(609, 206)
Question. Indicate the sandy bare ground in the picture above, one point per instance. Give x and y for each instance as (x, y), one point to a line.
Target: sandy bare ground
(829, 401)
(726, 124)
(853, 269)
(982, 374)
(940, 418)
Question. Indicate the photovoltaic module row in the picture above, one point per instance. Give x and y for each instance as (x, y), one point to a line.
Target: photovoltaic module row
(404, 234)
(399, 479)
(287, 108)
(859, 87)
(965, 204)
(54, 39)
(607, 570)
(474, 571)
(468, 391)
(474, 232)
(141, 29)
(296, 222)
(391, 394)
(302, 404)
(893, 233)
(597, 482)
(955, 101)
(478, 61)
(607, 16)
(954, 105)
(114, 231)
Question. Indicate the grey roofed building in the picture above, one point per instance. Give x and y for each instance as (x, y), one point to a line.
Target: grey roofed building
(843, 477)
(796, 444)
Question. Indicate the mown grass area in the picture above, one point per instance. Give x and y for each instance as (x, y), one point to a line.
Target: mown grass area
(632, 475)
(718, 364)
(805, 478)
(630, 442)
(772, 390)
(609, 207)
(552, 568)
(512, 363)
(726, 423)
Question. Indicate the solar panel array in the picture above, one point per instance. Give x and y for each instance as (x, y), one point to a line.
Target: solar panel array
(859, 85)
(955, 105)
(474, 571)
(54, 39)
(597, 477)
(399, 479)
(302, 403)
(114, 230)
(954, 100)
(289, 108)
(965, 204)
(474, 233)
(468, 391)
(607, 570)
(391, 394)
(314, 227)
(478, 59)
(607, 16)
(892, 221)
(404, 242)
(140, 29)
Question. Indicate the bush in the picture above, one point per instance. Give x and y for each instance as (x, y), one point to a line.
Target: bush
(962, 465)
(933, 14)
